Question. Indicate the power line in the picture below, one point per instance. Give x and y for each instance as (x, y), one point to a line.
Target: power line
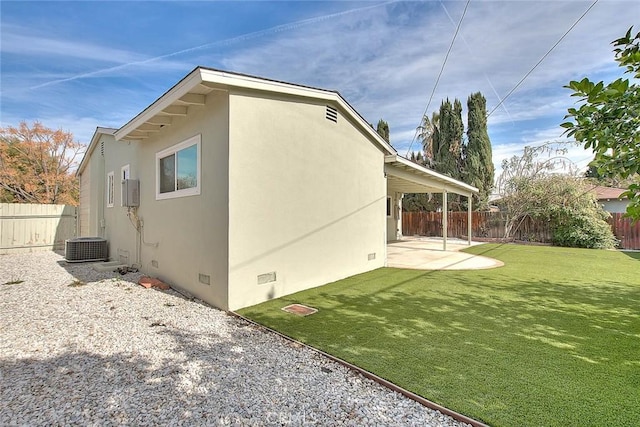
(440, 74)
(543, 58)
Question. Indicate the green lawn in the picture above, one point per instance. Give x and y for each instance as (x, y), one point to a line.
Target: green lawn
(551, 338)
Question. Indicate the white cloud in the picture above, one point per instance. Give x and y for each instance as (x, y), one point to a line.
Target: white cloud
(383, 58)
(387, 68)
(23, 42)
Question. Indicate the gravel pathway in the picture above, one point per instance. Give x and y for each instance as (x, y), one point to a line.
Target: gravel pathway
(79, 347)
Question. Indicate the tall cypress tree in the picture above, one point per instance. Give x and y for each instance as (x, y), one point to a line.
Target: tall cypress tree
(447, 145)
(383, 129)
(457, 144)
(479, 168)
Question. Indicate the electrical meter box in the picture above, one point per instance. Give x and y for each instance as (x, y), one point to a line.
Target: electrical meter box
(130, 192)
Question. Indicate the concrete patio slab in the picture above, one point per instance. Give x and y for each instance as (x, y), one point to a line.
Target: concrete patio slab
(425, 253)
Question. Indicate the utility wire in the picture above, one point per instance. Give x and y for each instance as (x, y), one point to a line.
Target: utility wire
(440, 74)
(543, 58)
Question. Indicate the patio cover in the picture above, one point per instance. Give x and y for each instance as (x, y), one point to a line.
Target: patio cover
(405, 176)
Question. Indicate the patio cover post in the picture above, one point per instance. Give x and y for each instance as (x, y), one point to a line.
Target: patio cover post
(470, 200)
(444, 220)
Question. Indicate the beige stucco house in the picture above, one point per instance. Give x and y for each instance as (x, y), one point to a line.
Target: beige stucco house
(249, 189)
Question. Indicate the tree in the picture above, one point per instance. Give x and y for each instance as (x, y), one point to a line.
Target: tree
(608, 120)
(37, 165)
(530, 188)
(597, 178)
(417, 157)
(383, 129)
(479, 170)
(448, 142)
(428, 134)
(447, 152)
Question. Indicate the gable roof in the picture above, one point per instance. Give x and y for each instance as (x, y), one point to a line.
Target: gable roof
(92, 145)
(193, 88)
(608, 193)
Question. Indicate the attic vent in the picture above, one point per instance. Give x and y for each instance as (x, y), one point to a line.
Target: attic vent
(332, 114)
(102, 148)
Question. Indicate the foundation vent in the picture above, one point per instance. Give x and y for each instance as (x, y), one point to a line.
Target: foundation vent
(332, 114)
(371, 256)
(266, 278)
(205, 279)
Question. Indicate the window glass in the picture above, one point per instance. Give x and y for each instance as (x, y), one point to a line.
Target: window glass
(188, 167)
(178, 170)
(168, 174)
(110, 189)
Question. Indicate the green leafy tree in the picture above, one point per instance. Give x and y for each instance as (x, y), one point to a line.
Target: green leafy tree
(428, 135)
(597, 178)
(417, 157)
(608, 120)
(479, 170)
(447, 145)
(383, 129)
(530, 188)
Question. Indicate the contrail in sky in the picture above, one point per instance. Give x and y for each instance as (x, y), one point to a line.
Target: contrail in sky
(504, 107)
(244, 37)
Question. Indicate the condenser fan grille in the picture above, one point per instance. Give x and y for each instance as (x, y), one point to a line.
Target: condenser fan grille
(82, 249)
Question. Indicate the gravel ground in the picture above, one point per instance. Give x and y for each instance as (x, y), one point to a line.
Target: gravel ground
(78, 347)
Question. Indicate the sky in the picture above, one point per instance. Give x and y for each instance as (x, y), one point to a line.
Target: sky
(82, 64)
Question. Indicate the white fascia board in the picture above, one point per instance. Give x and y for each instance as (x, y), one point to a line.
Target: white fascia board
(92, 145)
(248, 82)
(448, 183)
(175, 93)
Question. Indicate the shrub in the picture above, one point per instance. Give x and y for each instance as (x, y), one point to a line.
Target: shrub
(584, 230)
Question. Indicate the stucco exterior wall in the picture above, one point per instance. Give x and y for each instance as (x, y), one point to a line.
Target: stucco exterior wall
(95, 218)
(185, 238)
(307, 199)
(615, 205)
(118, 229)
(84, 208)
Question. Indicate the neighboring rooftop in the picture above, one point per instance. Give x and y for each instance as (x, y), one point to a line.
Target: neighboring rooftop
(608, 193)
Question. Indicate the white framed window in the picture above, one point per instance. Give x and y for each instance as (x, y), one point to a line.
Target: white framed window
(110, 192)
(124, 174)
(178, 170)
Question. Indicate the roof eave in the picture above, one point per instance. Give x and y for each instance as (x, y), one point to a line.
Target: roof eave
(172, 95)
(225, 80)
(92, 145)
(446, 180)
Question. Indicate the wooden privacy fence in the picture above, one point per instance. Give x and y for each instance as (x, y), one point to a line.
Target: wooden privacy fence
(491, 225)
(625, 231)
(30, 227)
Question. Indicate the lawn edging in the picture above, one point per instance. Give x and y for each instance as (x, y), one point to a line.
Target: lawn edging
(388, 384)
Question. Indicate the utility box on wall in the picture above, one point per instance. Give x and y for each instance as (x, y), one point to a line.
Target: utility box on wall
(130, 192)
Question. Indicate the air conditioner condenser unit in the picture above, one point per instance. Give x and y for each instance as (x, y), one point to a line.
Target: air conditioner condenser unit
(84, 249)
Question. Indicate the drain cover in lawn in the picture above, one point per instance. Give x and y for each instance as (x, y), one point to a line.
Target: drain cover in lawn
(299, 309)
